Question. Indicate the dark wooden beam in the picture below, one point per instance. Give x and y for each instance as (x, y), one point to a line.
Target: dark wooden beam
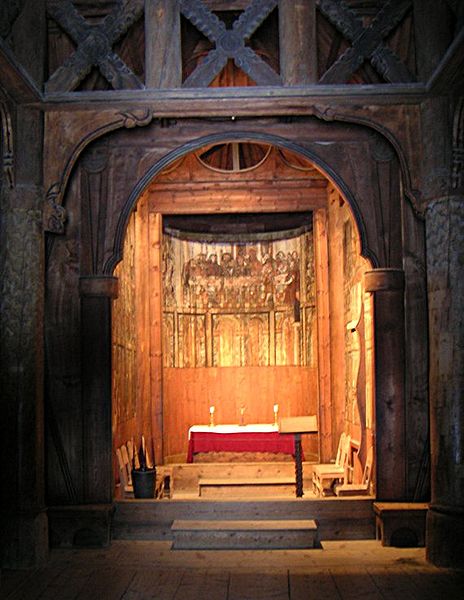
(448, 76)
(298, 42)
(15, 80)
(163, 60)
(240, 101)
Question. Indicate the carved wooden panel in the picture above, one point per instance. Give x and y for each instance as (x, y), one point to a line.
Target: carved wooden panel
(366, 43)
(230, 43)
(94, 43)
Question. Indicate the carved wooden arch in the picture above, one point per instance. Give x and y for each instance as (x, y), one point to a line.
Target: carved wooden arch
(54, 211)
(236, 136)
(84, 134)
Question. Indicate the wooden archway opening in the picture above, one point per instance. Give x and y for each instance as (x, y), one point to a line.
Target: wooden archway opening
(179, 346)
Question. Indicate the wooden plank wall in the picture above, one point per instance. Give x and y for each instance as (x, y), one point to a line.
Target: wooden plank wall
(189, 392)
(351, 331)
(170, 400)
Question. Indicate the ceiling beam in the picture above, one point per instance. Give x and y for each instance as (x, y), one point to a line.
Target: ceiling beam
(15, 80)
(448, 76)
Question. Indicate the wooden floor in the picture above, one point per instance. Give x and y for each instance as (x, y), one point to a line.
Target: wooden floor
(138, 570)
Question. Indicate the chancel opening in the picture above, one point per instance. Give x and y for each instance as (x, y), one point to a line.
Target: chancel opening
(241, 306)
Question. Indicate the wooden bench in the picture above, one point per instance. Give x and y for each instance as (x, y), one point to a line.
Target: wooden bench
(268, 486)
(400, 524)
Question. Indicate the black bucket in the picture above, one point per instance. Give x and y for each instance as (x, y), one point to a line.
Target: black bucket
(144, 483)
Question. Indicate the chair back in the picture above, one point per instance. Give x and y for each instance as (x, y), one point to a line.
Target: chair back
(367, 474)
(345, 451)
(340, 449)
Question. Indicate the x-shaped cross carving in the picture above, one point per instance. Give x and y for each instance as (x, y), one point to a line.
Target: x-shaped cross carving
(230, 43)
(94, 46)
(367, 42)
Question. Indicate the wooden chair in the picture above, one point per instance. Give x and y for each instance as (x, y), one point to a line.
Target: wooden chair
(126, 458)
(125, 468)
(362, 488)
(325, 475)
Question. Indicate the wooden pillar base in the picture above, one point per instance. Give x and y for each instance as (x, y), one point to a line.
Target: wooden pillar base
(30, 534)
(445, 536)
(84, 526)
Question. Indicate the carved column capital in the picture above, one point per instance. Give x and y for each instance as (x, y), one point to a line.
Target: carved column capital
(99, 286)
(382, 280)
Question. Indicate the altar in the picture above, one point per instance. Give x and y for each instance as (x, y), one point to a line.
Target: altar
(259, 437)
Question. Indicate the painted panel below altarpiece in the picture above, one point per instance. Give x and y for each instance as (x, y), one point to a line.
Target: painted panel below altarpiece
(192, 340)
(240, 340)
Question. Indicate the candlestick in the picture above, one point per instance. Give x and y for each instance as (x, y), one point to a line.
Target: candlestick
(276, 412)
(242, 410)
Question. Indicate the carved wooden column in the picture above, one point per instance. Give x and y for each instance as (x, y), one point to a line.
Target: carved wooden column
(23, 520)
(445, 271)
(97, 293)
(443, 193)
(387, 285)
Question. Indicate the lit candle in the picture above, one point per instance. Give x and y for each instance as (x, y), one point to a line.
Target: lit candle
(242, 410)
(276, 408)
(211, 410)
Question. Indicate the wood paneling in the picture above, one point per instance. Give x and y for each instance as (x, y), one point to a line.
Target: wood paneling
(188, 394)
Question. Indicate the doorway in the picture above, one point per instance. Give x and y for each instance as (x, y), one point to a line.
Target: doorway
(198, 324)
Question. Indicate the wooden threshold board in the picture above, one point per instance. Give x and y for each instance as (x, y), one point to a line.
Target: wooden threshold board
(244, 534)
(246, 487)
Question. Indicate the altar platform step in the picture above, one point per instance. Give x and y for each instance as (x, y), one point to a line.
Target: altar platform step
(246, 487)
(336, 518)
(244, 535)
(185, 478)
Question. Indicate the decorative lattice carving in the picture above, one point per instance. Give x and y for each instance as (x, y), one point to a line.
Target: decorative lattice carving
(230, 43)
(94, 46)
(367, 43)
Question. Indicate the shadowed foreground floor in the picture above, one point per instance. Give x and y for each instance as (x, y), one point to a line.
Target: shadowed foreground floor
(136, 570)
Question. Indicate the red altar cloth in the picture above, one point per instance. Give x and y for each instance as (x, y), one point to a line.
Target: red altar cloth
(250, 441)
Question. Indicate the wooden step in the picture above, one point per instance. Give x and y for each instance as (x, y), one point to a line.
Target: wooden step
(246, 487)
(242, 535)
(337, 518)
(185, 477)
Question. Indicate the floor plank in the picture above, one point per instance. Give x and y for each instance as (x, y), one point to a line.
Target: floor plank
(259, 586)
(11, 580)
(317, 584)
(69, 583)
(107, 584)
(134, 570)
(203, 583)
(36, 585)
(433, 583)
(355, 584)
(394, 583)
(153, 584)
